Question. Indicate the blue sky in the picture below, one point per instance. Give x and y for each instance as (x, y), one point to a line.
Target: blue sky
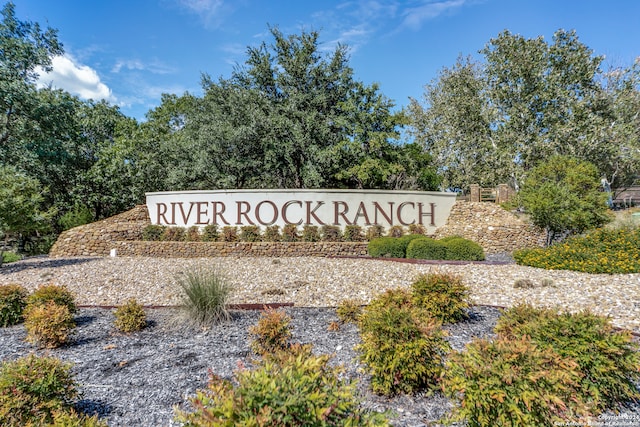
(131, 51)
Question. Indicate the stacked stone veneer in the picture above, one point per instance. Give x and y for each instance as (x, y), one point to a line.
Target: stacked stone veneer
(495, 229)
(492, 227)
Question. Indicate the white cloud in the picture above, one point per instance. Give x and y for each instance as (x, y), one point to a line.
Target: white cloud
(77, 79)
(208, 10)
(155, 67)
(414, 17)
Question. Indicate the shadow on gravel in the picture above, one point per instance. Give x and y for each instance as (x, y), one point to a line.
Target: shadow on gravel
(84, 320)
(18, 266)
(93, 407)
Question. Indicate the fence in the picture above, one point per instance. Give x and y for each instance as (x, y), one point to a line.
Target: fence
(499, 194)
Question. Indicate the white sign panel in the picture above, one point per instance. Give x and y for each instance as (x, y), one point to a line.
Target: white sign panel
(300, 207)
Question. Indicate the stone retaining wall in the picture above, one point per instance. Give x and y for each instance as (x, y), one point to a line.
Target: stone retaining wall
(495, 229)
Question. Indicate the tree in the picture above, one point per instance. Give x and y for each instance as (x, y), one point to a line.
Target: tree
(563, 195)
(20, 204)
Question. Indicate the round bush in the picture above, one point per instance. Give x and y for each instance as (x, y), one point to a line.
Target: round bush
(13, 300)
(386, 247)
(442, 296)
(426, 248)
(463, 250)
(130, 317)
(48, 325)
(58, 294)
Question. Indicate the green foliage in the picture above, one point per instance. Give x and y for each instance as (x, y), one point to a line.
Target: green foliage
(229, 234)
(250, 233)
(512, 383)
(70, 418)
(298, 389)
(8, 257)
(210, 233)
(564, 194)
(48, 325)
(290, 233)
(330, 233)
(349, 311)
(272, 234)
(396, 231)
(462, 250)
(174, 234)
(386, 247)
(417, 229)
(443, 296)
(193, 234)
(374, 232)
(272, 333)
(205, 295)
(130, 317)
(58, 294)
(403, 352)
(79, 215)
(310, 233)
(607, 359)
(13, 300)
(611, 251)
(33, 388)
(153, 232)
(353, 233)
(426, 248)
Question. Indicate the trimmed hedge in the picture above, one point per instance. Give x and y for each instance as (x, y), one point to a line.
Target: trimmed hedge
(391, 247)
(426, 248)
(463, 250)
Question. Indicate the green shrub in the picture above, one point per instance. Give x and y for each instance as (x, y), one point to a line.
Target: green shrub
(210, 233)
(608, 359)
(290, 233)
(442, 296)
(58, 294)
(153, 232)
(403, 353)
(272, 333)
(374, 232)
(348, 311)
(193, 234)
(512, 383)
(8, 257)
(310, 233)
(463, 250)
(33, 388)
(300, 389)
(130, 317)
(395, 231)
(610, 251)
(353, 233)
(387, 247)
(426, 248)
(250, 233)
(79, 215)
(205, 295)
(272, 234)
(13, 300)
(229, 233)
(331, 233)
(71, 418)
(48, 325)
(417, 229)
(174, 234)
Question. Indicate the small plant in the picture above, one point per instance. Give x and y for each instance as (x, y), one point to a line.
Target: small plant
(153, 232)
(48, 325)
(250, 233)
(295, 389)
(463, 250)
(512, 383)
(272, 333)
(130, 317)
(524, 283)
(193, 234)
(396, 231)
(210, 233)
(426, 248)
(205, 295)
(58, 294)
(290, 233)
(348, 311)
(353, 233)
(374, 232)
(333, 326)
(13, 300)
(403, 353)
(310, 233)
(608, 360)
(417, 229)
(229, 233)
(443, 296)
(174, 234)
(331, 233)
(70, 418)
(33, 388)
(8, 257)
(272, 234)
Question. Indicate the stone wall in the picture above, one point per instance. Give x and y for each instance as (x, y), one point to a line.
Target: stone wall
(495, 229)
(492, 227)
